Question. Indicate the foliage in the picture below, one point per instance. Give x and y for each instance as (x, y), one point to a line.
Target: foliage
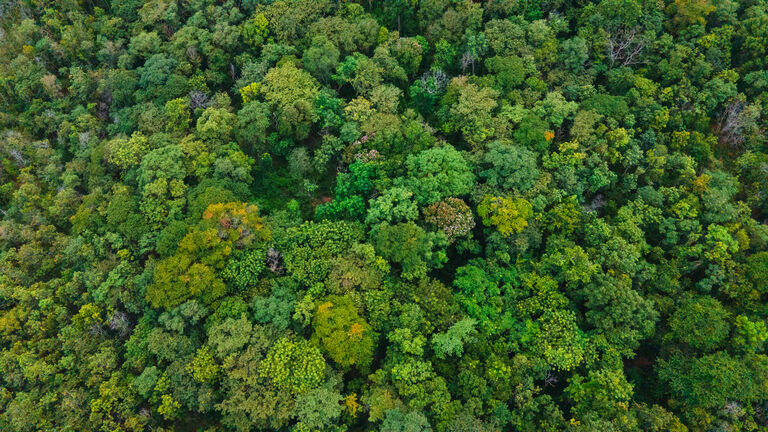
(452, 215)
(293, 366)
(452, 341)
(410, 246)
(438, 173)
(508, 215)
(346, 337)
(400, 215)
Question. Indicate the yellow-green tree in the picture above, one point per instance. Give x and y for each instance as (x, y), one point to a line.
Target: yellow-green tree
(205, 250)
(508, 215)
(295, 366)
(341, 331)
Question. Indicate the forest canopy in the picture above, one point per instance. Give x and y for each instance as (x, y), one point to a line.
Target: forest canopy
(401, 215)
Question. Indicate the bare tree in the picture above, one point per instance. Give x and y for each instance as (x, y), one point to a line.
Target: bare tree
(440, 80)
(550, 380)
(624, 47)
(198, 99)
(467, 60)
(18, 157)
(274, 261)
(120, 323)
(733, 409)
(730, 124)
(97, 329)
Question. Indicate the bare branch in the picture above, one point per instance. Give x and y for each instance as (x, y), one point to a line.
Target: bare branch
(624, 47)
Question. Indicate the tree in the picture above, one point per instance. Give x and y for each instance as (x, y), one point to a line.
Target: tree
(318, 409)
(396, 421)
(340, 330)
(161, 181)
(604, 391)
(311, 246)
(708, 381)
(558, 340)
(688, 12)
(480, 294)
(351, 191)
(410, 246)
(321, 58)
(361, 72)
(291, 92)
(178, 113)
(203, 367)
(574, 54)
(508, 215)
(700, 323)
(452, 215)
(253, 121)
(191, 272)
(216, 125)
(243, 269)
(750, 335)
(510, 71)
(452, 341)
(158, 81)
(394, 205)
(126, 153)
(426, 91)
(555, 109)
(179, 278)
(532, 133)
(619, 313)
(510, 167)
(438, 173)
(472, 113)
(294, 366)
(249, 400)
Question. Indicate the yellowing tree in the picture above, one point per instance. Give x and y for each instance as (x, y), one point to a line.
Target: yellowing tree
(191, 272)
(508, 215)
(341, 331)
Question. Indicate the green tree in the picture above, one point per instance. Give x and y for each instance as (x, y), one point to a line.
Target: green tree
(318, 409)
(321, 58)
(472, 113)
(410, 246)
(291, 93)
(604, 391)
(451, 343)
(254, 119)
(438, 173)
(394, 205)
(161, 182)
(509, 166)
(397, 421)
(700, 323)
(192, 271)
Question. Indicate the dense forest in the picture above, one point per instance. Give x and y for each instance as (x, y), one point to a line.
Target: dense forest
(398, 216)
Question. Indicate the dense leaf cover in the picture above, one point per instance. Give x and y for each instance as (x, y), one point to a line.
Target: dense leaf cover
(401, 215)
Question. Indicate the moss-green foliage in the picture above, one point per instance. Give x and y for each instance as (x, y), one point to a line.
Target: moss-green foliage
(443, 215)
